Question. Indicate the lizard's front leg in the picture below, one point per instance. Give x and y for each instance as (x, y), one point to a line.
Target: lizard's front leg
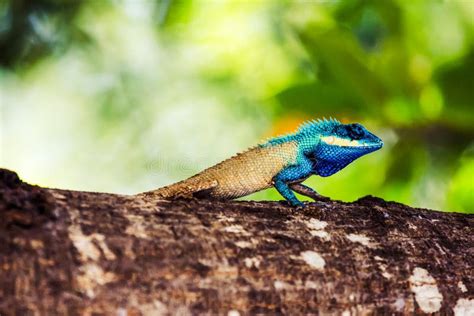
(285, 191)
(307, 191)
(288, 175)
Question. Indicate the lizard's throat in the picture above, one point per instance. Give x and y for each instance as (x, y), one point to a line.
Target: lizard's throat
(331, 159)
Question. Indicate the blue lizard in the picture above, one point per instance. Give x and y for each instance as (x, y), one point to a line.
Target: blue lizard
(320, 147)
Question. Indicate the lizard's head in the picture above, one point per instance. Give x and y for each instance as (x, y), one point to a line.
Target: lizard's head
(350, 137)
(340, 144)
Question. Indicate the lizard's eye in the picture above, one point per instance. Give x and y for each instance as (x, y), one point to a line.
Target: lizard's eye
(356, 132)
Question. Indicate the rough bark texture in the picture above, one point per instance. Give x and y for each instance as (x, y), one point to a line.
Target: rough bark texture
(66, 252)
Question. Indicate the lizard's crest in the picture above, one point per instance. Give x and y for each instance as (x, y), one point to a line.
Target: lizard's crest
(315, 127)
(308, 130)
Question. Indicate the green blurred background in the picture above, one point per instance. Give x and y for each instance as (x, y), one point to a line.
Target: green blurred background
(126, 96)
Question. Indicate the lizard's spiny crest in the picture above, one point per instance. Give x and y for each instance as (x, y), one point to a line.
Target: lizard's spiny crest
(318, 126)
(307, 130)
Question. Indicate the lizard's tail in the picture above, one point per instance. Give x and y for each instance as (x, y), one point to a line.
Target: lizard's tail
(185, 188)
(165, 192)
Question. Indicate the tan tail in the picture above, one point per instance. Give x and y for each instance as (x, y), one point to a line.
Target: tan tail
(184, 188)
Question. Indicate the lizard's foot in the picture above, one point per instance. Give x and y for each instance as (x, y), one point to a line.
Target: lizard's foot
(296, 203)
(285, 191)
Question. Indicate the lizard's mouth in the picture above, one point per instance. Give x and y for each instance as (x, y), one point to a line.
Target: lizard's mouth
(370, 145)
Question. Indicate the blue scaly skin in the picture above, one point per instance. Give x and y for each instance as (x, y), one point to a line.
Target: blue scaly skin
(320, 147)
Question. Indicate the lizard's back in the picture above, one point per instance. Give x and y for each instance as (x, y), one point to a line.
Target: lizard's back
(240, 175)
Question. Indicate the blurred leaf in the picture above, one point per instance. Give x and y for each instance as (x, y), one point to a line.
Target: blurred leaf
(35, 29)
(319, 98)
(457, 85)
(340, 61)
(461, 190)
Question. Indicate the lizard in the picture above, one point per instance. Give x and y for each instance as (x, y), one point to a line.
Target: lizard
(318, 147)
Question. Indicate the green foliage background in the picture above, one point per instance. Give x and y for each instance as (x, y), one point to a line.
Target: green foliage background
(126, 96)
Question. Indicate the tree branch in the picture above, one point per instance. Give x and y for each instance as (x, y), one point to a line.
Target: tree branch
(80, 252)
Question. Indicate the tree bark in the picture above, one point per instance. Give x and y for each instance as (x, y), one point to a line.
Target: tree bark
(69, 252)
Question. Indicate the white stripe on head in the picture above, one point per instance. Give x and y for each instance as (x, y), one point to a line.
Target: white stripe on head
(334, 140)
